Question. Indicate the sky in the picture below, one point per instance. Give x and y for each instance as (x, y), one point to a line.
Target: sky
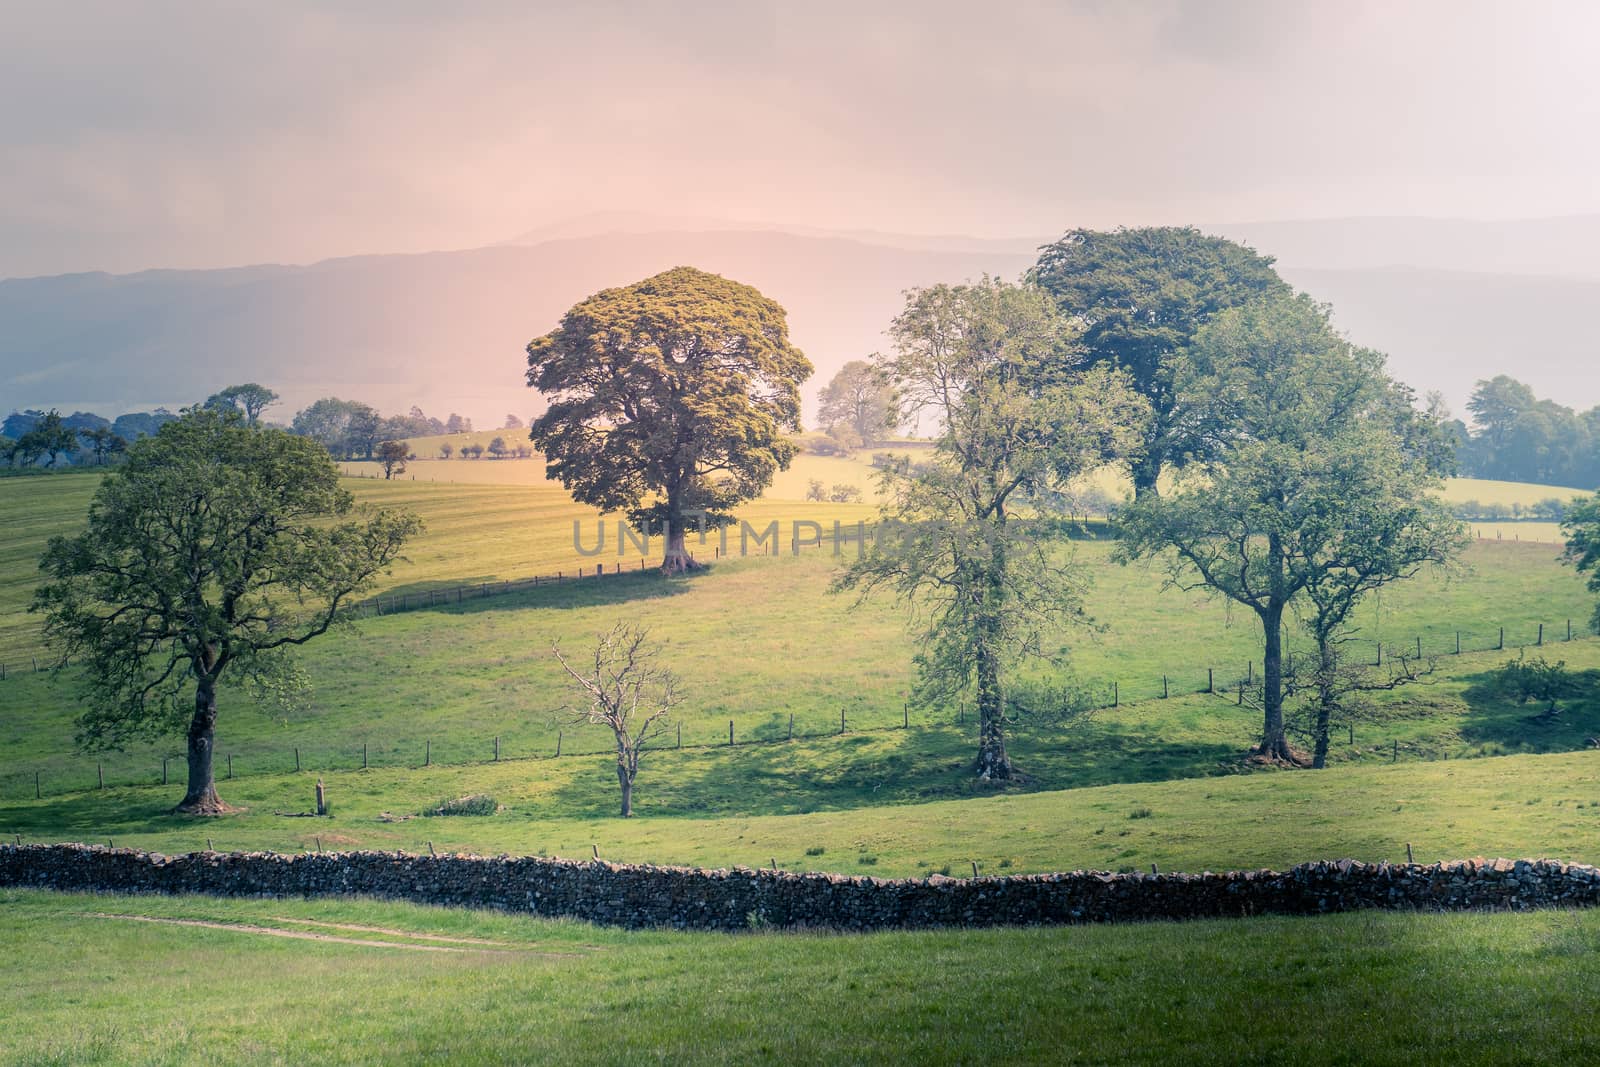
(182, 134)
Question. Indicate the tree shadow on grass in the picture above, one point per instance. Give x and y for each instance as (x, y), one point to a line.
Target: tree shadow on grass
(876, 768)
(484, 594)
(1498, 724)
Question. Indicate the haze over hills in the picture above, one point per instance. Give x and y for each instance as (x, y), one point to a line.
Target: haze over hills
(1450, 301)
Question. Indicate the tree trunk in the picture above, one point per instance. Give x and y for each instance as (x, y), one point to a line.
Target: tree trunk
(201, 798)
(1325, 703)
(1145, 471)
(676, 558)
(993, 763)
(626, 781)
(1274, 744)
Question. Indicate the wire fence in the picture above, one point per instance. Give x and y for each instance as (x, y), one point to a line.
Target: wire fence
(1228, 683)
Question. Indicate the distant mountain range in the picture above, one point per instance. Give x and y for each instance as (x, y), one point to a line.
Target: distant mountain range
(1449, 301)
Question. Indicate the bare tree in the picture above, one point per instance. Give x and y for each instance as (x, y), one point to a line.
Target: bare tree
(628, 692)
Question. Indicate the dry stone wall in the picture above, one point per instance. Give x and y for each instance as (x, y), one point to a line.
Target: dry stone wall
(687, 898)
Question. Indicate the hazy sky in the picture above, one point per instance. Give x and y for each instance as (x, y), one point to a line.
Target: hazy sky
(213, 133)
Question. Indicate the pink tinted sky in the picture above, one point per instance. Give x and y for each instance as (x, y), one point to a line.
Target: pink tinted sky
(175, 134)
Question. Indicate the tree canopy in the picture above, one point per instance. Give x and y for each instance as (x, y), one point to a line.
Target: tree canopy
(961, 542)
(670, 399)
(249, 399)
(859, 399)
(1317, 487)
(1138, 296)
(215, 548)
(1582, 528)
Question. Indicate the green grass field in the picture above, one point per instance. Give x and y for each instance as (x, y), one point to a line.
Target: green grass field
(189, 980)
(1449, 765)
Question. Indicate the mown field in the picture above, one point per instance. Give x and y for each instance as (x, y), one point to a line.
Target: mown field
(187, 980)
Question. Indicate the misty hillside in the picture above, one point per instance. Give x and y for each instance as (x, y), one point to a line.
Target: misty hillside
(446, 329)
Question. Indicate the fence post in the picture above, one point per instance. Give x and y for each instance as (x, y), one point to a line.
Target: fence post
(427, 753)
(1351, 727)
(1250, 671)
(791, 726)
(163, 770)
(905, 716)
(559, 734)
(1501, 646)
(363, 755)
(1419, 646)
(36, 785)
(1458, 642)
(1569, 638)
(230, 766)
(1116, 695)
(1541, 635)
(841, 720)
(297, 759)
(730, 731)
(1379, 661)
(1164, 691)
(100, 772)
(497, 748)
(1211, 680)
(1394, 756)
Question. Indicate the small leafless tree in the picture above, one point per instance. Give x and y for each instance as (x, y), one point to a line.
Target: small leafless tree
(628, 692)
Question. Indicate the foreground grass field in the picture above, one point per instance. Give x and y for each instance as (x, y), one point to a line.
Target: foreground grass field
(123, 980)
(1546, 805)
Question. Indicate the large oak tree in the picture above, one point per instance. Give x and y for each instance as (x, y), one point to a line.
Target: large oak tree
(670, 399)
(1139, 296)
(212, 552)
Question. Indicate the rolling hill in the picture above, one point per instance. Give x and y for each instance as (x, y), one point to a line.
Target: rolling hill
(446, 329)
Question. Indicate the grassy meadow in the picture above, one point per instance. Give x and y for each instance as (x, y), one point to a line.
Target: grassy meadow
(407, 707)
(191, 980)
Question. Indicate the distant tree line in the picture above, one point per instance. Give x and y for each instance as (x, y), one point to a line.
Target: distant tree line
(1517, 437)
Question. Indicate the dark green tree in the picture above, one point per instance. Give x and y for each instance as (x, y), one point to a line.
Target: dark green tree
(50, 436)
(212, 552)
(1138, 296)
(249, 399)
(393, 456)
(960, 540)
(1315, 430)
(670, 399)
(103, 442)
(1582, 527)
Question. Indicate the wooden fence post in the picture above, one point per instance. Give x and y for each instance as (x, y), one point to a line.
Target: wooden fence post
(363, 755)
(1419, 646)
(1211, 680)
(1165, 692)
(905, 716)
(1458, 642)
(1501, 646)
(559, 735)
(163, 770)
(680, 735)
(791, 726)
(100, 772)
(730, 731)
(1540, 642)
(841, 720)
(297, 759)
(497, 748)
(36, 794)
(1394, 756)
(230, 765)
(427, 753)
(1116, 695)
